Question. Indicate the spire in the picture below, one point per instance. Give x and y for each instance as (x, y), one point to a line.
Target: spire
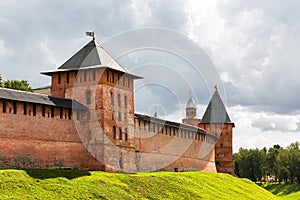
(191, 103)
(91, 55)
(215, 111)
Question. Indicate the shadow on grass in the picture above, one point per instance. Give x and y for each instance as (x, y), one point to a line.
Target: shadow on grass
(54, 173)
(283, 189)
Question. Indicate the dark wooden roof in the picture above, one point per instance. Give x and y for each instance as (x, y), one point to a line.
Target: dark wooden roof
(216, 112)
(23, 96)
(169, 123)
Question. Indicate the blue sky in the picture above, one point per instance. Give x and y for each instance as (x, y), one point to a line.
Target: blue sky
(254, 46)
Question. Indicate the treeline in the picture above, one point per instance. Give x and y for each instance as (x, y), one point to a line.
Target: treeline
(16, 84)
(258, 164)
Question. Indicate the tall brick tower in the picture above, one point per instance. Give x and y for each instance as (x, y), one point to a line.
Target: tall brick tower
(191, 112)
(94, 78)
(216, 120)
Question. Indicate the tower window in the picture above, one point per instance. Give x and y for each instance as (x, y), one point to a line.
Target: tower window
(88, 97)
(120, 116)
(59, 78)
(68, 77)
(125, 101)
(112, 102)
(119, 100)
(125, 117)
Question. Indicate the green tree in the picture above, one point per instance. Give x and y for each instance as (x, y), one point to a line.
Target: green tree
(17, 85)
(250, 163)
(283, 165)
(271, 159)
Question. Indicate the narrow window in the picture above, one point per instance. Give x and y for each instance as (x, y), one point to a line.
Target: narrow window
(94, 74)
(61, 113)
(34, 109)
(25, 108)
(52, 111)
(59, 78)
(88, 97)
(107, 75)
(113, 77)
(120, 133)
(15, 107)
(114, 132)
(125, 101)
(125, 117)
(119, 100)
(43, 110)
(68, 77)
(112, 102)
(129, 79)
(120, 117)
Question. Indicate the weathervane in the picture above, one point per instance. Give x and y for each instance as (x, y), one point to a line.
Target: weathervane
(90, 33)
(216, 87)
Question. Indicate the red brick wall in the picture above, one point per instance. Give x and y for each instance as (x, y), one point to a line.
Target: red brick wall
(41, 142)
(169, 148)
(223, 148)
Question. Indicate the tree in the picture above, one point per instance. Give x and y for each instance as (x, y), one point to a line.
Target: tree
(250, 163)
(17, 85)
(271, 159)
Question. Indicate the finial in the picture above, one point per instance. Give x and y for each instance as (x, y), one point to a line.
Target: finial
(216, 87)
(155, 113)
(90, 33)
(191, 94)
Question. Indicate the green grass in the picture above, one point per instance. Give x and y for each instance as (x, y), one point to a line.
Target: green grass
(72, 184)
(287, 191)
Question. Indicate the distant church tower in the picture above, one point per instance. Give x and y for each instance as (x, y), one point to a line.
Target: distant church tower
(216, 120)
(191, 112)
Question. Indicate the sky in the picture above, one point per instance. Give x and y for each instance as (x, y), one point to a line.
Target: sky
(252, 46)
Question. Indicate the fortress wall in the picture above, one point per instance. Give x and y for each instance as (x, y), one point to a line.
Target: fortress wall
(163, 147)
(28, 141)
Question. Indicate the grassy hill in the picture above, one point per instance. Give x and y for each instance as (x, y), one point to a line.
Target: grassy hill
(288, 191)
(72, 184)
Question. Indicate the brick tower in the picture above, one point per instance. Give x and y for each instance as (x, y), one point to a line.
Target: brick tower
(216, 120)
(191, 112)
(95, 79)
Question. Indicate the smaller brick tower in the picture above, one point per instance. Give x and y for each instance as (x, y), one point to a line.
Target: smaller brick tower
(191, 112)
(216, 120)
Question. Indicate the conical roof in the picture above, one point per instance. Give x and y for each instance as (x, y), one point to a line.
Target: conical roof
(91, 55)
(191, 103)
(215, 111)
